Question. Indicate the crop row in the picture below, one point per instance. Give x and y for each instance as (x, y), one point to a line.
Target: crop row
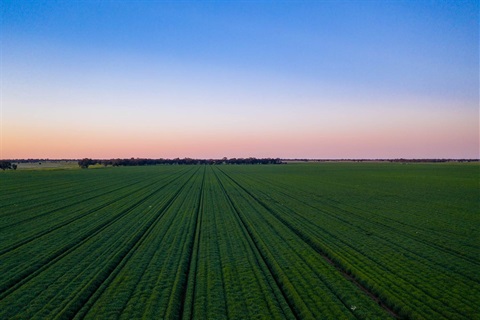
(310, 280)
(66, 266)
(339, 241)
(408, 274)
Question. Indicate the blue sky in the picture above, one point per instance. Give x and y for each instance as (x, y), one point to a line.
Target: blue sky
(218, 74)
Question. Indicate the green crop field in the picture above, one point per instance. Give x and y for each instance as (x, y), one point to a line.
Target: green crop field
(295, 241)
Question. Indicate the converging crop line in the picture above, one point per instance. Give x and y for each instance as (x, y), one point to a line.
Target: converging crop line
(257, 250)
(302, 309)
(163, 296)
(79, 307)
(47, 262)
(394, 245)
(304, 222)
(303, 239)
(324, 255)
(60, 208)
(55, 227)
(336, 206)
(125, 299)
(386, 226)
(79, 197)
(42, 193)
(188, 287)
(75, 218)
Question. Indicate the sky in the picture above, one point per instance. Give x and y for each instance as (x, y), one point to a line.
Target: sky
(213, 79)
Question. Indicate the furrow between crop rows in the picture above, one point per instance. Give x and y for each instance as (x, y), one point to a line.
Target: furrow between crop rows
(296, 252)
(296, 241)
(467, 301)
(25, 275)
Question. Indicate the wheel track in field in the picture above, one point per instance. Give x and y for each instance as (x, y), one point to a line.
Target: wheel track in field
(75, 218)
(187, 300)
(85, 299)
(47, 262)
(258, 253)
(375, 297)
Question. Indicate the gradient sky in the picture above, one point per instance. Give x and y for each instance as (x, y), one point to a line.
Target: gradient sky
(303, 79)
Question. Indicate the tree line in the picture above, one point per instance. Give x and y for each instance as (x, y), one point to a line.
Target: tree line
(86, 162)
(4, 165)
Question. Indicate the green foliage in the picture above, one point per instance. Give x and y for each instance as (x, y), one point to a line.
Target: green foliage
(310, 241)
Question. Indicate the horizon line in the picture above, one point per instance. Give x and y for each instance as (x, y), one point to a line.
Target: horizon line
(226, 158)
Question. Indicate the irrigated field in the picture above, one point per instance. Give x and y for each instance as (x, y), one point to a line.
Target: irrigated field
(297, 241)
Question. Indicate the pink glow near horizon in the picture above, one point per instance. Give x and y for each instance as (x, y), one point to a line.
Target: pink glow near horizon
(348, 140)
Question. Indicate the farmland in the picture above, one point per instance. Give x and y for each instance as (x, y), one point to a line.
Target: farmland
(296, 241)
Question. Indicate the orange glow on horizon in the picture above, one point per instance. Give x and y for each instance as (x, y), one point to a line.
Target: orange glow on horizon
(336, 142)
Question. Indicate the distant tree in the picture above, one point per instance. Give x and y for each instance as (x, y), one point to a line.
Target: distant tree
(14, 166)
(5, 165)
(85, 163)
